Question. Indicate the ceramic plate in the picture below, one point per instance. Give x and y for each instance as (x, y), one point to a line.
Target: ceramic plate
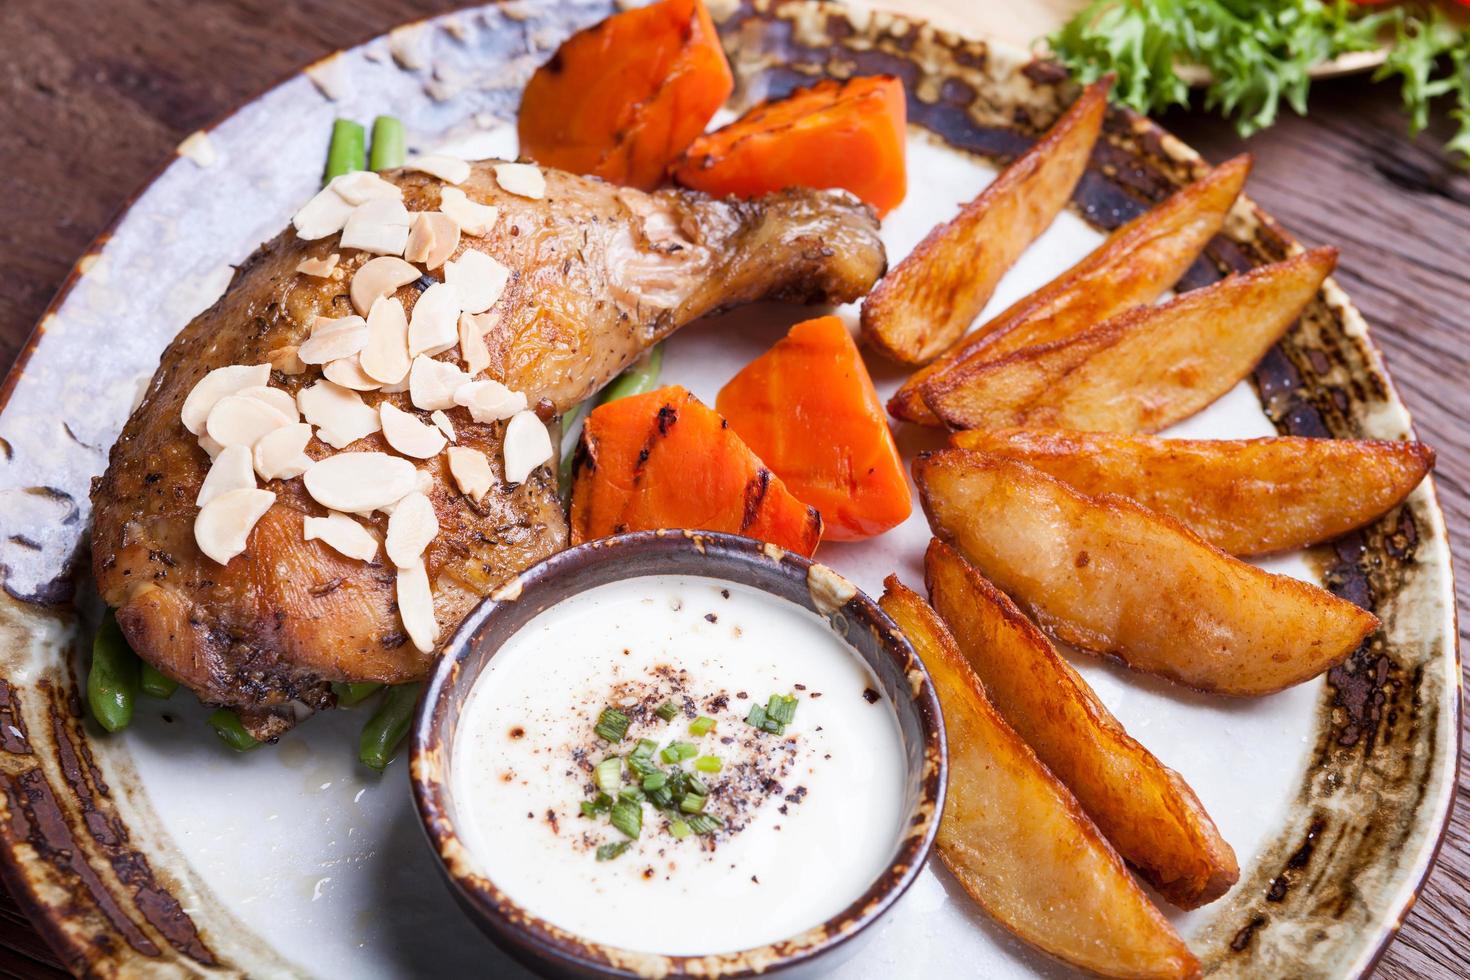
(161, 851)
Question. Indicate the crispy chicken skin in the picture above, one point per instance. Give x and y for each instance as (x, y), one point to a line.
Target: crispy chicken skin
(599, 274)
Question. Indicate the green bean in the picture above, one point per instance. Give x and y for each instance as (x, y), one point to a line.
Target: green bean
(347, 151)
(388, 726)
(112, 681)
(228, 727)
(640, 377)
(564, 471)
(388, 144)
(351, 694)
(156, 684)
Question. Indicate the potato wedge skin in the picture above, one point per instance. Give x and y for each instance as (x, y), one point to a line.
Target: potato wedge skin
(1108, 576)
(1134, 265)
(930, 298)
(1017, 840)
(1142, 370)
(1244, 496)
(1145, 809)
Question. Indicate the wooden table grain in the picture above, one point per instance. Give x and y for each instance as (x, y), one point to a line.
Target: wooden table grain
(94, 97)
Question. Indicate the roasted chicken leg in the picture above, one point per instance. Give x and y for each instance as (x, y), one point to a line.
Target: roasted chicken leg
(597, 274)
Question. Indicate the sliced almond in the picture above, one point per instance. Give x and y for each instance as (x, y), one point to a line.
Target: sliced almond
(410, 529)
(433, 326)
(361, 186)
(472, 347)
(432, 384)
(277, 398)
(445, 426)
(471, 471)
(325, 214)
(525, 179)
(379, 277)
(230, 471)
(211, 448)
(281, 455)
(359, 483)
(408, 435)
(334, 339)
(319, 268)
(473, 218)
(451, 170)
(284, 360)
(338, 413)
(224, 524)
(385, 358)
(489, 401)
(216, 385)
(380, 225)
(527, 446)
(342, 534)
(348, 372)
(479, 278)
(416, 607)
(237, 420)
(432, 238)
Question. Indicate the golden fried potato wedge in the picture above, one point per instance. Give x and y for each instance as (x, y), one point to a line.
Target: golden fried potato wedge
(1134, 265)
(1016, 838)
(930, 298)
(1244, 496)
(1142, 370)
(1106, 575)
(1145, 809)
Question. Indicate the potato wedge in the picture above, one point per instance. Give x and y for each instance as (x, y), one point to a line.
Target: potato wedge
(1145, 809)
(930, 298)
(1142, 370)
(1244, 496)
(1134, 265)
(1106, 575)
(1016, 838)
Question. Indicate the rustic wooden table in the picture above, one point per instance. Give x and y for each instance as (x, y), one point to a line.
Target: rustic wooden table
(93, 97)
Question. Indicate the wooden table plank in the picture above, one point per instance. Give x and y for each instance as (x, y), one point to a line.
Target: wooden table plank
(94, 97)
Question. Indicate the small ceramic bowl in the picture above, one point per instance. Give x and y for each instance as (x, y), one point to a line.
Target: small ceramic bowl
(869, 633)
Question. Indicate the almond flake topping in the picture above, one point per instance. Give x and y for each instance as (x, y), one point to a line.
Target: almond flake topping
(379, 277)
(380, 225)
(432, 238)
(348, 372)
(216, 385)
(473, 218)
(319, 268)
(451, 170)
(230, 471)
(527, 446)
(471, 471)
(284, 359)
(433, 327)
(237, 420)
(479, 278)
(445, 426)
(211, 448)
(408, 435)
(361, 186)
(224, 524)
(333, 338)
(338, 413)
(472, 347)
(359, 483)
(410, 529)
(281, 455)
(416, 607)
(524, 179)
(342, 534)
(325, 214)
(277, 398)
(432, 384)
(385, 358)
(489, 401)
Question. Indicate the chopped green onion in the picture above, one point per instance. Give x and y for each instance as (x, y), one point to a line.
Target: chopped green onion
(627, 816)
(608, 775)
(609, 851)
(654, 780)
(757, 717)
(590, 809)
(348, 150)
(781, 709)
(612, 725)
(227, 726)
(388, 144)
(679, 751)
(692, 803)
(631, 793)
(695, 785)
(708, 763)
(661, 797)
(679, 829)
(704, 823)
(667, 711)
(702, 725)
(640, 760)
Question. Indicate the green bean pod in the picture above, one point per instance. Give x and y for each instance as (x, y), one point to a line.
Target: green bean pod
(388, 726)
(640, 377)
(112, 681)
(155, 683)
(348, 150)
(354, 693)
(227, 726)
(389, 144)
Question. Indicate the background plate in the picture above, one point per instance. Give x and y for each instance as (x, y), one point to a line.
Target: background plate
(162, 850)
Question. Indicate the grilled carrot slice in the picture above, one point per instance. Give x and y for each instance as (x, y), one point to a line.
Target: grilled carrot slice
(623, 98)
(833, 134)
(664, 460)
(808, 408)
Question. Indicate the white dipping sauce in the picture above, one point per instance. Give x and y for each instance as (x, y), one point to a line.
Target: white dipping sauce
(792, 855)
